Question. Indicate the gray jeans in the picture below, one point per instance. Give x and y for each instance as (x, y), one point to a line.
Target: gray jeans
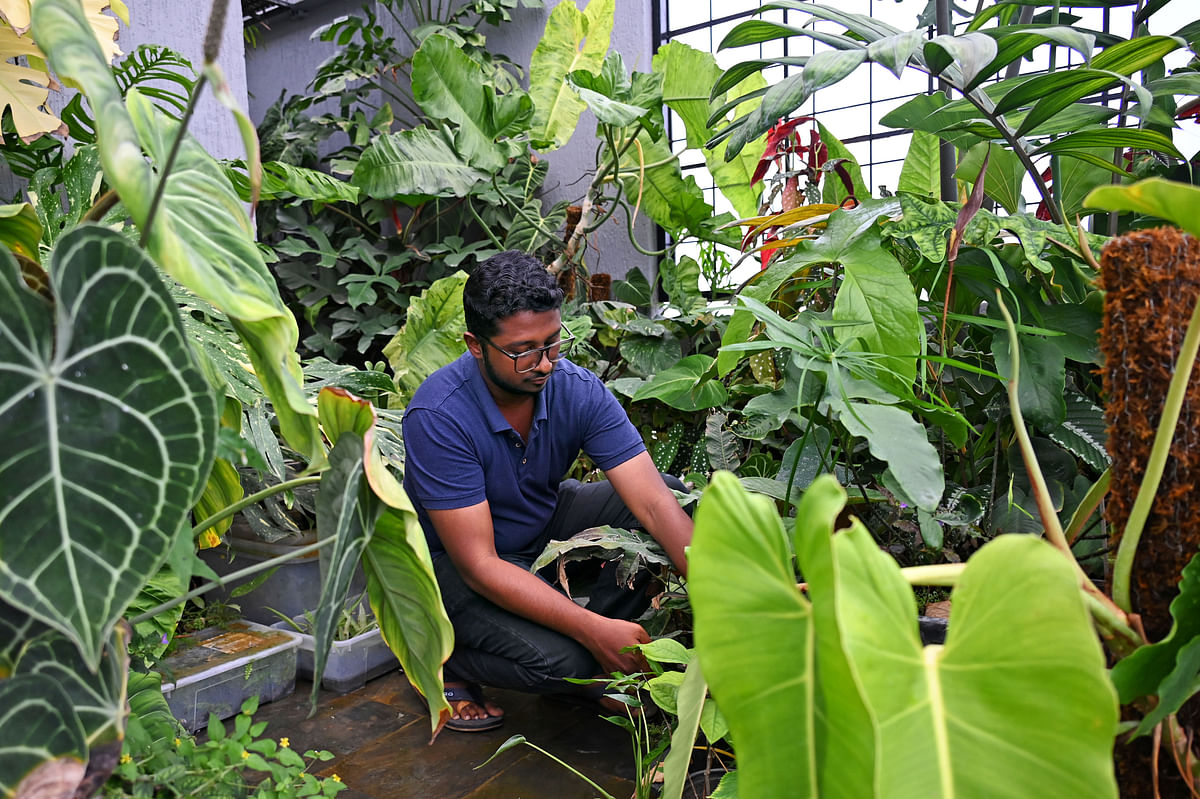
(498, 648)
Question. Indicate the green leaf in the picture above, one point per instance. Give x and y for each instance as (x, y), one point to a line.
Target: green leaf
(834, 190)
(686, 385)
(649, 355)
(98, 698)
(927, 222)
(20, 230)
(901, 442)
(1084, 432)
(721, 445)
(668, 197)
(1021, 664)
(40, 738)
(921, 173)
(1005, 174)
(432, 334)
(688, 74)
(689, 704)
(405, 599)
(282, 181)
(846, 749)
(895, 51)
(1178, 203)
(878, 298)
(111, 432)
(1042, 382)
(414, 164)
(345, 509)
(971, 53)
(573, 40)
(449, 85)
(757, 31)
(1073, 143)
(1143, 671)
(164, 586)
(743, 589)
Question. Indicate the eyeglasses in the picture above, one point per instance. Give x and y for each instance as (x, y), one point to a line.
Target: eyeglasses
(530, 359)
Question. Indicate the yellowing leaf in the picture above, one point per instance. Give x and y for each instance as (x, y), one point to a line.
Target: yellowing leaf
(16, 14)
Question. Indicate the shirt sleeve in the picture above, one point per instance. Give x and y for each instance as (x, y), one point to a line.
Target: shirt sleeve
(609, 437)
(442, 469)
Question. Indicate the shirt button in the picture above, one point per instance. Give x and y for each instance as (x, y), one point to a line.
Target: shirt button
(518, 445)
(524, 459)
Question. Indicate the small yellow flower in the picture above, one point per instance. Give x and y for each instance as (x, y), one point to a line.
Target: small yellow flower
(335, 778)
(285, 742)
(245, 754)
(178, 742)
(126, 758)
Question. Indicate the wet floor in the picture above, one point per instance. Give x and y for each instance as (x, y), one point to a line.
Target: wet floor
(379, 736)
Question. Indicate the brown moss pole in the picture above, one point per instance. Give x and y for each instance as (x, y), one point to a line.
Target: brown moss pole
(1151, 279)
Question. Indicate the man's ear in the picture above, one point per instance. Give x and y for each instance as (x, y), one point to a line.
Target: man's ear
(474, 345)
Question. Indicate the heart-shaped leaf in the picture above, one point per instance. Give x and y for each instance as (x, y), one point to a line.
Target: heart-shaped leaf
(111, 430)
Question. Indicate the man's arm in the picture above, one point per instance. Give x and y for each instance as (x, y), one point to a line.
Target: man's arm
(468, 537)
(638, 482)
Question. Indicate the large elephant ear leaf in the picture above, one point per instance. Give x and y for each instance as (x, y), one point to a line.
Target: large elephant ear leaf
(111, 431)
(201, 235)
(42, 748)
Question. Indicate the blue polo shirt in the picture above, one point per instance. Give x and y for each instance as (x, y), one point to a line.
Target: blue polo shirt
(460, 450)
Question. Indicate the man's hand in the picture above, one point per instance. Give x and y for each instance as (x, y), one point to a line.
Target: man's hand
(607, 637)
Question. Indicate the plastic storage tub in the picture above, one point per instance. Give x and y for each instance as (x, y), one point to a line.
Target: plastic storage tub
(351, 662)
(221, 668)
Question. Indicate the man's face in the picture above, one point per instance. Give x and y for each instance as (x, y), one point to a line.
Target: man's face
(521, 332)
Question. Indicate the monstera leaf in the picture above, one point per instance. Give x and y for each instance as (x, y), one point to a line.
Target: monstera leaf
(110, 432)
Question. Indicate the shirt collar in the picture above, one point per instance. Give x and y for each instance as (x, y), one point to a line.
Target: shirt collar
(495, 419)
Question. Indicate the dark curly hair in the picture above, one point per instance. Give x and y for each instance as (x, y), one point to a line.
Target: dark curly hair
(507, 283)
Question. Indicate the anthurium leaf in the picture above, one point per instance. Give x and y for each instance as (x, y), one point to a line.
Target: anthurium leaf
(154, 635)
(920, 174)
(1020, 42)
(573, 40)
(415, 163)
(927, 222)
(846, 746)
(345, 509)
(1143, 671)
(432, 334)
(201, 235)
(222, 489)
(111, 432)
(757, 31)
(150, 718)
(1021, 664)
(1178, 203)
(405, 599)
(878, 298)
(865, 27)
(41, 741)
(1084, 432)
(743, 589)
(1178, 687)
(685, 386)
(449, 85)
(1042, 382)
(98, 698)
(721, 444)
(901, 442)
(1004, 176)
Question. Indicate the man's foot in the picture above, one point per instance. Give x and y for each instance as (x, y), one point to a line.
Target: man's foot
(472, 712)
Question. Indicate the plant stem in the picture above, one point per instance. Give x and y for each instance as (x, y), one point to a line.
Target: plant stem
(1161, 449)
(938, 574)
(237, 575)
(253, 499)
(482, 224)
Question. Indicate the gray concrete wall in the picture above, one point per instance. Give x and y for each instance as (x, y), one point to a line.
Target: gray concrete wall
(181, 26)
(571, 166)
